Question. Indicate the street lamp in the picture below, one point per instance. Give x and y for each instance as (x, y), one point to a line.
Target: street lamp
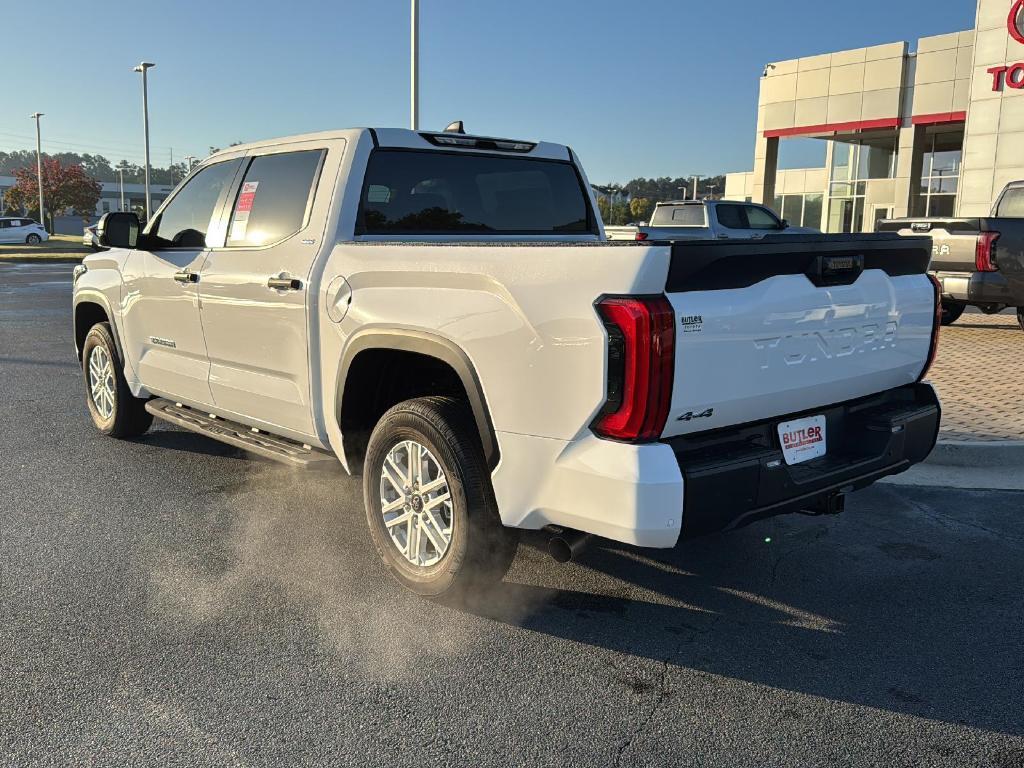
(189, 162)
(39, 167)
(415, 65)
(120, 174)
(143, 67)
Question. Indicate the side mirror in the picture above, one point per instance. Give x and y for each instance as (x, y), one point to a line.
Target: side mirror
(118, 229)
(784, 224)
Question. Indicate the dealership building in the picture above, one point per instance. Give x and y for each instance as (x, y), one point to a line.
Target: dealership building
(934, 128)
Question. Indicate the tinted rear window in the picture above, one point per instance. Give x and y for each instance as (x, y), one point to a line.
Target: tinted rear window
(1012, 204)
(438, 193)
(679, 216)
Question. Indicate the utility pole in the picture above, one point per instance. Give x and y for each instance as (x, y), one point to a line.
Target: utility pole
(143, 67)
(415, 50)
(39, 167)
(120, 173)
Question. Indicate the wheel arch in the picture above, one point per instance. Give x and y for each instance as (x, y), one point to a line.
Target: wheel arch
(91, 308)
(427, 345)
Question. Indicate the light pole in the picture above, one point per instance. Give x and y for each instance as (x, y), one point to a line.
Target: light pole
(415, 51)
(695, 178)
(120, 173)
(143, 67)
(189, 160)
(39, 167)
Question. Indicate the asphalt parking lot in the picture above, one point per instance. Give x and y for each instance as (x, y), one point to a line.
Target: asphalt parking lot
(171, 601)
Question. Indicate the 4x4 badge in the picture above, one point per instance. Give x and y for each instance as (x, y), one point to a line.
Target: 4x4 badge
(690, 415)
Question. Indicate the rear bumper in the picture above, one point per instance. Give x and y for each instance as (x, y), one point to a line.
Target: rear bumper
(737, 475)
(977, 288)
(650, 495)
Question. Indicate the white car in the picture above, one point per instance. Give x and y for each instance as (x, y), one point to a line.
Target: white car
(441, 314)
(21, 230)
(90, 238)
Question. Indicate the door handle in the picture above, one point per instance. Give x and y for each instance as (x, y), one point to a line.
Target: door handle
(284, 283)
(186, 276)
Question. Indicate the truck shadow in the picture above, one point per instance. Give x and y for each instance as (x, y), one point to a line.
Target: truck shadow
(887, 607)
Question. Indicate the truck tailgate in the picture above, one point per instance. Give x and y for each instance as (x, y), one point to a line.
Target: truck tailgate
(789, 324)
(954, 241)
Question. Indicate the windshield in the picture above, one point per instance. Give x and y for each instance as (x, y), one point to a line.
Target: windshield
(438, 193)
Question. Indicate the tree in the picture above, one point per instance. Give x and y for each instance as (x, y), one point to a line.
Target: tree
(620, 214)
(64, 187)
(641, 208)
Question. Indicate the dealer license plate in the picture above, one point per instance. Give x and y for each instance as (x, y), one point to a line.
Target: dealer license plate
(802, 439)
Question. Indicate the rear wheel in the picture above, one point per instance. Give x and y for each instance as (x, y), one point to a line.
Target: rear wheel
(1020, 317)
(114, 410)
(951, 311)
(429, 502)
(33, 239)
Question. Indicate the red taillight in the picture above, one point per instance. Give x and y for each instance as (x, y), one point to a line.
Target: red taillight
(985, 252)
(933, 348)
(641, 235)
(641, 359)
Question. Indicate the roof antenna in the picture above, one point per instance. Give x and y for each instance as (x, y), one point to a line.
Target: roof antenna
(455, 127)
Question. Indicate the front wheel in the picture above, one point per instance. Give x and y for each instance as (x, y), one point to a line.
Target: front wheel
(114, 410)
(951, 311)
(33, 239)
(429, 502)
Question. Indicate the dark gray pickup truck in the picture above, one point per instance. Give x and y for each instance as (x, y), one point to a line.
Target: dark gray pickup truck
(980, 262)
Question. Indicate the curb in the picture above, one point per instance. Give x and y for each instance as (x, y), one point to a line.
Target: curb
(995, 465)
(982, 454)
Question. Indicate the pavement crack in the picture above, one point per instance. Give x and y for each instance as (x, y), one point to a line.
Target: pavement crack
(661, 693)
(949, 520)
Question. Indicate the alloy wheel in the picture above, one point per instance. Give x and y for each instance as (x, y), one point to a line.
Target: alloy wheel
(416, 503)
(102, 386)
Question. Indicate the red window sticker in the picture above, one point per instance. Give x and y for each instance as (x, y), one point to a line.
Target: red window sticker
(247, 196)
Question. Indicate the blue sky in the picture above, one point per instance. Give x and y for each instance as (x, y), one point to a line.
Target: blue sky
(642, 88)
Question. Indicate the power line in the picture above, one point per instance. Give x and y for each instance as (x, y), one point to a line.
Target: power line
(64, 140)
(85, 148)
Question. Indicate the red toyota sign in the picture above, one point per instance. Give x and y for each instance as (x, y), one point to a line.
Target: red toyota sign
(1015, 21)
(1011, 75)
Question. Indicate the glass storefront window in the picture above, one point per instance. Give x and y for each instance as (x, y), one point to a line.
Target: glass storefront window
(792, 209)
(812, 211)
(940, 174)
(841, 161)
(876, 161)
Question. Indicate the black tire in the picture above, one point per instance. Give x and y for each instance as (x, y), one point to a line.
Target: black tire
(129, 417)
(33, 239)
(481, 548)
(951, 311)
(1020, 317)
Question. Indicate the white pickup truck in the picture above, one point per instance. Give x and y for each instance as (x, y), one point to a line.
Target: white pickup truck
(709, 220)
(441, 313)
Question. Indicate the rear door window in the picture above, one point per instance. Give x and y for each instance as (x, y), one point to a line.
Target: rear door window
(440, 193)
(1012, 204)
(274, 197)
(731, 216)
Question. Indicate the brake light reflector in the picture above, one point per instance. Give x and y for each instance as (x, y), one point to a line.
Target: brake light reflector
(933, 348)
(985, 252)
(641, 236)
(641, 359)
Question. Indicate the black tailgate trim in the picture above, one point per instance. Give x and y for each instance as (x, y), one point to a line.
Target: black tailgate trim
(720, 265)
